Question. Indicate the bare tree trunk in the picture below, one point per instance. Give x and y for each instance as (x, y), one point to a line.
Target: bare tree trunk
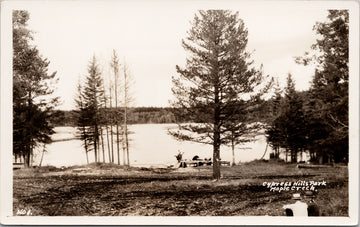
(106, 125)
(111, 127)
(107, 141)
(42, 155)
(102, 144)
(112, 145)
(123, 147)
(117, 142)
(98, 150)
(267, 144)
(115, 65)
(127, 100)
(26, 160)
(125, 118)
(124, 140)
(127, 145)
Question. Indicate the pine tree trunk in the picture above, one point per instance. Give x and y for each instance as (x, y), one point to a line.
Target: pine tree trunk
(31, 157)
(293, 155)
(95, 146)
(28, 146)
(27, 158)
(216, 161)
(216, 145)
(233, 149)
(216, 142)
(87, 156)
(86, 145)
(26, 163)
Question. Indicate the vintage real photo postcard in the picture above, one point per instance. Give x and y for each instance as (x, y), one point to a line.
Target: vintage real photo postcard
(180, 112)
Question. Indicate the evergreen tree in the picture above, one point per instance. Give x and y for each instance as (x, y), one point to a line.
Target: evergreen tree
(327, 107)
(33, 88)
(215, 80)
(92, 102)
(82, 120)
(273, 132)
(295, 119)
(288, 127)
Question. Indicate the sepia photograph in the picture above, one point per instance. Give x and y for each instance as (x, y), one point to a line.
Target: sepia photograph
(180, 112)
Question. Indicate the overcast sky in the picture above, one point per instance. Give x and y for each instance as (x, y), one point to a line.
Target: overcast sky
(147, 34)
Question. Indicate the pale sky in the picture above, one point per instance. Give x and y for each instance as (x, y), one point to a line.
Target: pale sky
(147, 34)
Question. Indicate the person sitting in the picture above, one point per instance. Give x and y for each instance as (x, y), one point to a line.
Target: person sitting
(195, 158)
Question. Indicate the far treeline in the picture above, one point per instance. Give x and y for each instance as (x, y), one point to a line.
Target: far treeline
(149, 115)
(137, 115)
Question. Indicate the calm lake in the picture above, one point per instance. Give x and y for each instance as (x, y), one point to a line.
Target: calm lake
(150, 145)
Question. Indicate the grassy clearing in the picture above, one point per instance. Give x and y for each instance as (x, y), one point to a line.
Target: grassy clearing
(107, 190)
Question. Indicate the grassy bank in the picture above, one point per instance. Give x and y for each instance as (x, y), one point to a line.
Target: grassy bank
(107, 190)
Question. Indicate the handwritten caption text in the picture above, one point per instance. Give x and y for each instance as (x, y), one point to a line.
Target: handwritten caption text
(300, 185)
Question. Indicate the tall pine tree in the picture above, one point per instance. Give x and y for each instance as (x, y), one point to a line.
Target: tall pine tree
(33, 88)
(211, 88)
(327, 108)
(92, 100)
(273, 132)
(288, 128)
(295, 120)
(82, 120)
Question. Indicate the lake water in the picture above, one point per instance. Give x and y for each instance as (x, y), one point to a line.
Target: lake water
(150, 145)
